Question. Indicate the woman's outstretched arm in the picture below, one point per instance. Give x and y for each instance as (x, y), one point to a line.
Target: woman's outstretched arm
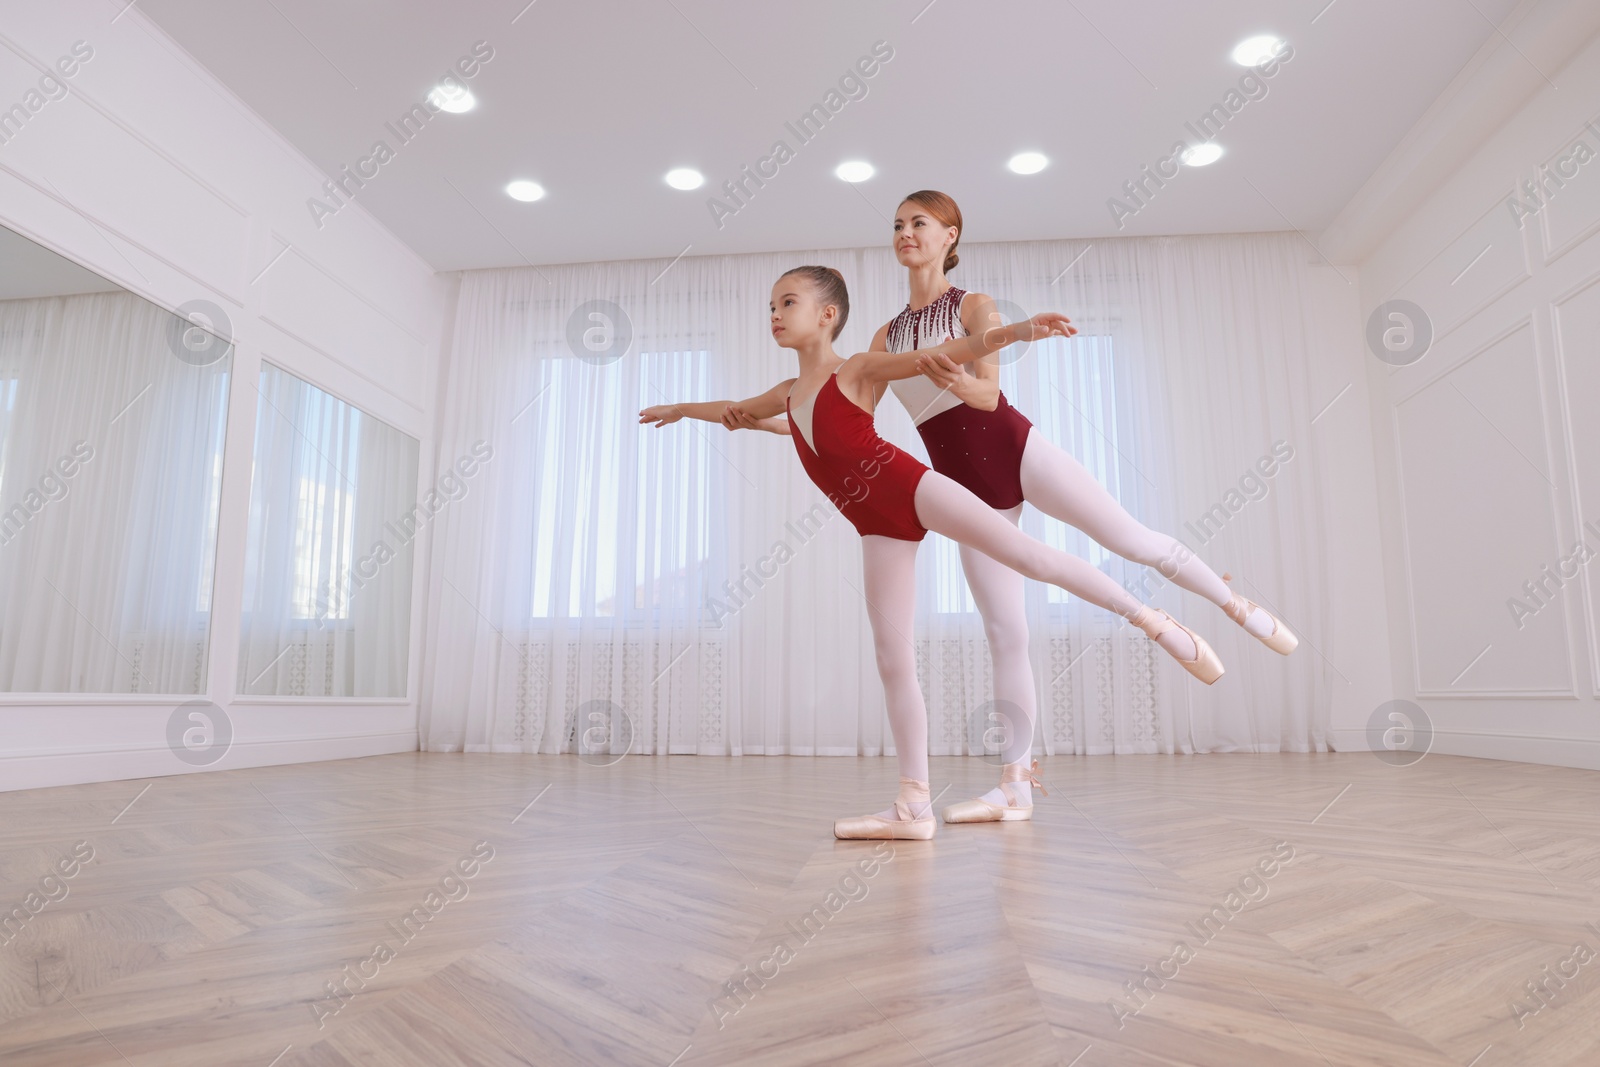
(764, 405)
(976, 385)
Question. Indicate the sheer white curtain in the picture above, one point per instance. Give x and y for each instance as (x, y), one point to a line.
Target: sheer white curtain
(1189, 393)
(110, 466)
(327, 598)
(689, 588)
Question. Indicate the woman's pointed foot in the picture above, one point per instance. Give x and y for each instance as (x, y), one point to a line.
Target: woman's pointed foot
(911, 818)
(1260, 623)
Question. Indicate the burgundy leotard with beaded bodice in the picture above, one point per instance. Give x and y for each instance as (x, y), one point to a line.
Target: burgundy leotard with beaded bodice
(982, 450)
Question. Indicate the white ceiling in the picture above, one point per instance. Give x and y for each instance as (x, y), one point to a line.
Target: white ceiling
(597, 99)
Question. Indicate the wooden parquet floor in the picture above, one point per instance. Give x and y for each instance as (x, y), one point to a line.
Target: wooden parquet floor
(438, 910)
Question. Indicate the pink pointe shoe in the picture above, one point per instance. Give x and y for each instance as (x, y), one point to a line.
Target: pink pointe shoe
(904, 828)
(980, 810)
(1281, 640)
(1205, 665)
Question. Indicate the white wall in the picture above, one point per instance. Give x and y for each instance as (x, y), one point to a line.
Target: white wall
(1488, 447)
(151, 173)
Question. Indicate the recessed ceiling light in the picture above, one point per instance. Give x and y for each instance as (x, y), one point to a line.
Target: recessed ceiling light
(452, 99)
(525, 190)
(854, 171)
(1027, 163)
(685, 178)
(1202, 154)
(1257, 50)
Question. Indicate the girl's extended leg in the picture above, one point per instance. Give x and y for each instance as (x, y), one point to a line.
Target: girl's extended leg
(1058, 485)
(888, 567)
(998, 592)
(948, 508)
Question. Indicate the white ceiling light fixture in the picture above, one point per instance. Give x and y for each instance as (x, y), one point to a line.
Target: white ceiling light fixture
(1027, 163)
(1248, 53)
(1202, 154)
(525, 191)
(454, 100)
(685, 178)
(854, 171)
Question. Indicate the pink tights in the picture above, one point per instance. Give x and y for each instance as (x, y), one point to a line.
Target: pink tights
(991, 543)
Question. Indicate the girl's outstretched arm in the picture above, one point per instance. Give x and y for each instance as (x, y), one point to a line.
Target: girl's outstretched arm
(765, 405)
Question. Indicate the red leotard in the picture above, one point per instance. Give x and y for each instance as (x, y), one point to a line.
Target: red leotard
(980, 449)
(873, 483)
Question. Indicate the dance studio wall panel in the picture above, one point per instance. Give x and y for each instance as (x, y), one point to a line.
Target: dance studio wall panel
(1577, 340)
(151, 173)
(1488, 453)
(1486, 261)
(1571, 214)
(1476, 426)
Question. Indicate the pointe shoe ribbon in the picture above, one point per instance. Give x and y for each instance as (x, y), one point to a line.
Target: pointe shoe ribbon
(905, 827)
(1205, 666)
(911, 792)
(1281, 640)
(1016, 772)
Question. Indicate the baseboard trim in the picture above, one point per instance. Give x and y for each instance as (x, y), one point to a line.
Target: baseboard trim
(1579, 752)
(39, 770)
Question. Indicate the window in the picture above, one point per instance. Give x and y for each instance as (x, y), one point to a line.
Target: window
(673, 547)
(622, 517)
(1071, 389)
(577, 458)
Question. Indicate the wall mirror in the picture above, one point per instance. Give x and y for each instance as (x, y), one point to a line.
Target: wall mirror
(112, 417)
(328, 565)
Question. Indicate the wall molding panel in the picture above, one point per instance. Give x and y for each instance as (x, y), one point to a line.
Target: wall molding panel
(1484, 496)
(1576, 331)
(1455, 436)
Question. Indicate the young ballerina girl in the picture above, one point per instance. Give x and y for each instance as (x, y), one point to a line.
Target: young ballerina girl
(893, 501)
(976, 438)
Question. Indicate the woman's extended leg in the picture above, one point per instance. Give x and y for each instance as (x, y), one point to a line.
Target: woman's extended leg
(946, 507)
(1058, 485)
(998, 592)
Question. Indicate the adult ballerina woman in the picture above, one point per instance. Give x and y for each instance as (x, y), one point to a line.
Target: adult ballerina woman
(893, 501)
(975, 437)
